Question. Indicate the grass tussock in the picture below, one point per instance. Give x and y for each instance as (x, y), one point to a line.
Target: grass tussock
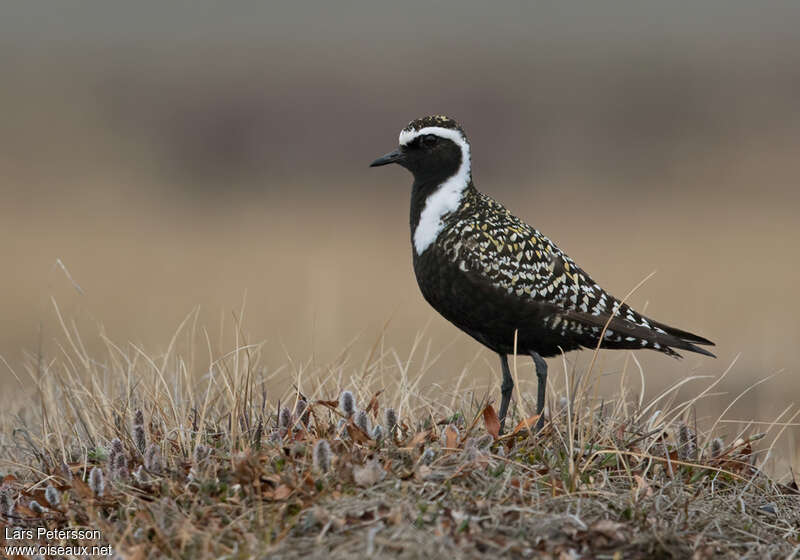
(361, 459)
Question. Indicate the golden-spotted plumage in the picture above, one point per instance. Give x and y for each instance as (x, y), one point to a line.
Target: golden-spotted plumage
(497, 278)
(483, 236)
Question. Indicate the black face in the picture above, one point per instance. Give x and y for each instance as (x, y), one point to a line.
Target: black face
(429, 157)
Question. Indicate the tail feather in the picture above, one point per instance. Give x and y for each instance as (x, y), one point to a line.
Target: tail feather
(626, 334)
(692, 348)
(684, 335)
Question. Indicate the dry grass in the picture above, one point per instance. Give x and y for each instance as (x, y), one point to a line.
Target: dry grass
(169, 464)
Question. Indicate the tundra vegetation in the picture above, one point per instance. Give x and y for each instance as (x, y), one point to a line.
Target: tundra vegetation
(358, 457)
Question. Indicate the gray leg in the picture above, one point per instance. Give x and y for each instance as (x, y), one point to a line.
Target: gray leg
(505, 390)
(541, 376)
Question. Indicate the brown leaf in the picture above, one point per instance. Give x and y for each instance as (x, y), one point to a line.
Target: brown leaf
(308, 480)
(138, 552)
(517, 483)
(22, 510)
(300, 435)
(525, 424)
(791, 487)
(281, 492)
(330, 404)
(491, 421)
(369, 474)
(405, 474)
(706, 552)
(643, 489)
(609, 529)
(418, 438)
(451, 437)
(81, 488)
(673, 455)
(373, 402)
(273, 479)
(246, 467)
(423, 472)
(357, 434)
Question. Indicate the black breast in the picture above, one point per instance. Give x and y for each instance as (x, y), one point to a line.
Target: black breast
(486, 313)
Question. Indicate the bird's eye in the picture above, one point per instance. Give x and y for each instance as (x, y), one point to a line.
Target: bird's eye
(429, 140)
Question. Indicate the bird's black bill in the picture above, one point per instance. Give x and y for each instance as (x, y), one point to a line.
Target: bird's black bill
(392, 157)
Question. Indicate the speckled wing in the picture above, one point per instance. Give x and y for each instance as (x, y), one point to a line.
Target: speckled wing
(491, 245)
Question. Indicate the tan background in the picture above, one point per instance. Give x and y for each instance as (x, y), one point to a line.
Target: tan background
(181, 156)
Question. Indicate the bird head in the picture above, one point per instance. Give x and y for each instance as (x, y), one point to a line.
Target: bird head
(433, 149)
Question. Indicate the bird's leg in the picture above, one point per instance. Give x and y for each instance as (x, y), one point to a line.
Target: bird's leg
(505, 390)
(541, 376)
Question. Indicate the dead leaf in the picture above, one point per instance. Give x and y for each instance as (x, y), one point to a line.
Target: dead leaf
(308, 481)
(418, 438)
(357, 434)
(491, 421)
(371, 473)
(22, 510)
(517, 483)
(791, 487)
(81, 488)
(373, 402)
(643, 489)
(606, 532)
(451, 437)
(246, 467)
(525, 424)
(673, 455)
(330, 404)
(281, 492)
(706, 552)
(423, 472)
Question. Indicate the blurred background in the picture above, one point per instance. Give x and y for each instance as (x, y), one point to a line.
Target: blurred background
(175, 155)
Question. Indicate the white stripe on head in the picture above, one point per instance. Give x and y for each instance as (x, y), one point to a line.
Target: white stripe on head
(447, 197)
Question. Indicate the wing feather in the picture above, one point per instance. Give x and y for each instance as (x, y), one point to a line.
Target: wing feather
(518, 261)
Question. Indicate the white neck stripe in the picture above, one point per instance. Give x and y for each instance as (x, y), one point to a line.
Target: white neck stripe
(447, 197)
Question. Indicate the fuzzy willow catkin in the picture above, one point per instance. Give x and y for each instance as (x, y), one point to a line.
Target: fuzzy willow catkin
(347, 403)
(390, 420)
(284, 418)
(52, 495)
(363, 422)
(152, 459)
(322, 456)
(96, 481)
(139, 437)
